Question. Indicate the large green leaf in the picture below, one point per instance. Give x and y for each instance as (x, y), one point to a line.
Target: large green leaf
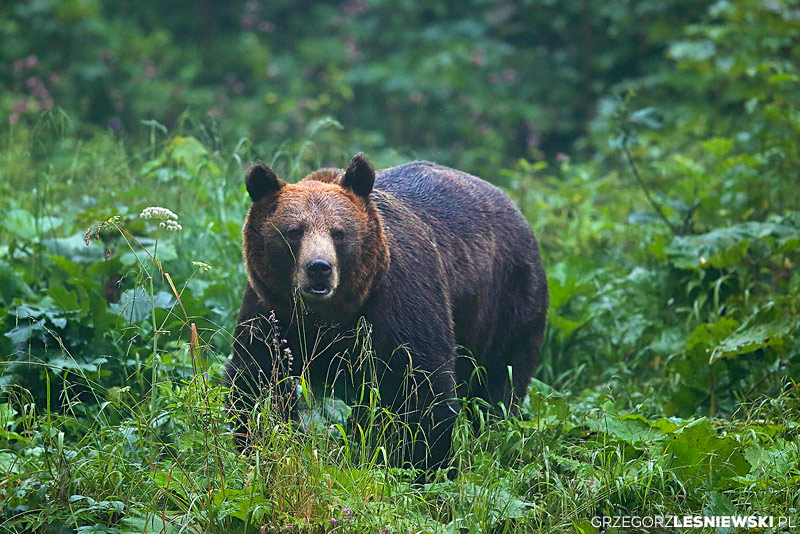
(763, 329)
(777, 458)
(23, 224)
(74, 248)
(633, 429)
(725, 247)
(190, 153)
(165, 252)
(700, 454)
(771, 326)
(152, 522)
(33, 320)
(20, 222)
(136, 304)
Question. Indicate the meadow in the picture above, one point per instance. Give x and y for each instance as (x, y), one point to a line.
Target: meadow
(657, 164)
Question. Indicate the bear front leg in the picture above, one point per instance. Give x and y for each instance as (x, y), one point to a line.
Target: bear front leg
(430, 404)
(247, 381)
(424, 400)
(417, 381)
(256, 367)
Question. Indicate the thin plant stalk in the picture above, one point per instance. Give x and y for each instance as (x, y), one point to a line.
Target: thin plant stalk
(154, 374)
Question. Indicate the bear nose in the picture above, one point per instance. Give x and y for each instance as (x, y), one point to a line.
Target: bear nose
(319, 269)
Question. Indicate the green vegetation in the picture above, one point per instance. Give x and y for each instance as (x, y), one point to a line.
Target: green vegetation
(652, 145)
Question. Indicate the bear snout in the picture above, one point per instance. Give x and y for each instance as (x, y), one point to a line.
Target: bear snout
(317, 274)
(319, 269)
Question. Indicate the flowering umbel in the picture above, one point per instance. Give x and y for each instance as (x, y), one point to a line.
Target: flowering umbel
(171, 226)
(168, 218)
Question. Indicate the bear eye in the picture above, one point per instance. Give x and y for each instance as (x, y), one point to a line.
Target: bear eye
(337, 234)
(293, 233)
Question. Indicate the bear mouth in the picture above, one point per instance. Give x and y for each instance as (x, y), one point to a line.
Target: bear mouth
(317, 290)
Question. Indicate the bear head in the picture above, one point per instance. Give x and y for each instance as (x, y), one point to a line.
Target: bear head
(319, 241)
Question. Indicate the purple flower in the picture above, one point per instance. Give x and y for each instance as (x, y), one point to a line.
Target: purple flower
(351, 46)
(509, 75)
(354, 7)
(31, 62)
(346, 511)
(248, 21)
(149, 68)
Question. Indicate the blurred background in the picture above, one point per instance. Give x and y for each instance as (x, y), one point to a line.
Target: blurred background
(475, 84)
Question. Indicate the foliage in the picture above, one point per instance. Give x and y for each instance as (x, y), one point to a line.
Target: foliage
(505, 80)
(651, 144)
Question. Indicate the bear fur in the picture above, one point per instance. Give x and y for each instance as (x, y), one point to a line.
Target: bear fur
(432, 258)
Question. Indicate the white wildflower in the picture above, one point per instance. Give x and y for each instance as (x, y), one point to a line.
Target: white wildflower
(171, 226)
(155, 212)
(201, 265)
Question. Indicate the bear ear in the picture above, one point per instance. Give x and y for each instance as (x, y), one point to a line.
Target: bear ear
(359, 176)
(261, 181)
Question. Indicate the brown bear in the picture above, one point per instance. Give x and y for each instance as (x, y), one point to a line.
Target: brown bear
(432, 258)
